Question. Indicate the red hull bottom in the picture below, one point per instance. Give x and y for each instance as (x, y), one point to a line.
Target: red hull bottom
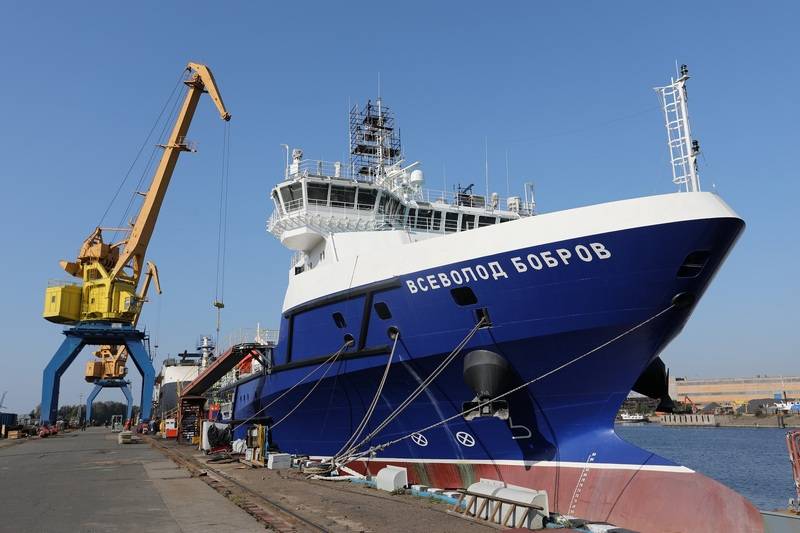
(646, 500)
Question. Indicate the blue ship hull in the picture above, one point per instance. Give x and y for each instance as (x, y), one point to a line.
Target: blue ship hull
(541, 319)
(559, 436)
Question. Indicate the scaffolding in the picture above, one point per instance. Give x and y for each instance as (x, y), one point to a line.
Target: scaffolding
(374, 140)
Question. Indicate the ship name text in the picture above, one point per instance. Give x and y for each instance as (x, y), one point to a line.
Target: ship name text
(531, 262)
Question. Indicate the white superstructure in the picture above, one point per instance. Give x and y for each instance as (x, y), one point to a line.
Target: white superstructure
(375, 192)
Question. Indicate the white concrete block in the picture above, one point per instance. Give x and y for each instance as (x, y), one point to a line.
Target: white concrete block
(279, 461)
(391, 478)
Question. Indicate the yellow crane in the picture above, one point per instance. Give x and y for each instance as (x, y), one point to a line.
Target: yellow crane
(110, 272)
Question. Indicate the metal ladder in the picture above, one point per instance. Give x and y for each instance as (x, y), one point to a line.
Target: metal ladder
(682, 150)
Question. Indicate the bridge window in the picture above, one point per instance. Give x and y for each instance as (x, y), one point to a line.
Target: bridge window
(451, 222)
(436, 222)
(467, 222)
(366, 199)
(343, 196)
(412, 216)
(486, 221)
(317, 193)
(292, 196)
(424, 219)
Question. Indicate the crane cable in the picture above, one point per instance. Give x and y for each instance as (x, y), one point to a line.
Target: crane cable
(141, 149)
(222, 228)
(385, 445)
(162, 138)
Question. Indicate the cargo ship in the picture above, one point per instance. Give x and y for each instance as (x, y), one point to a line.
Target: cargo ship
(465, 336)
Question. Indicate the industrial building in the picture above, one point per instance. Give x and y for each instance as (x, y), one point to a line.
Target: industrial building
(734, 390)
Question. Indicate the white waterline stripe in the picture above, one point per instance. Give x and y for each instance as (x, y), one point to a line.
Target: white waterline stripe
(514, 462)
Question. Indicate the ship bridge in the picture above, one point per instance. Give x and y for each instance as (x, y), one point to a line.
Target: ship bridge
(375, 191)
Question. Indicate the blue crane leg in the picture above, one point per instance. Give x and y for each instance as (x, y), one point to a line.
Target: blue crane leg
(51, 379)
(145, 367)
(129, 397)
(90, 400)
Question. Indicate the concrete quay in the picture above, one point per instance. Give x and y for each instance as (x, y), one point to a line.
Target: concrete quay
(83, 481)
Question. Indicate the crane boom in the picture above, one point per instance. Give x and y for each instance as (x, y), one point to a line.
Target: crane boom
(111, 271)
(136, 244)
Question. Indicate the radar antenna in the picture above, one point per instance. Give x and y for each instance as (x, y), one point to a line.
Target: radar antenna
(683, 151)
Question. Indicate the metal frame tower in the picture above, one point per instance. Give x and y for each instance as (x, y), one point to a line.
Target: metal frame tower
(374, 140)
(683, 151)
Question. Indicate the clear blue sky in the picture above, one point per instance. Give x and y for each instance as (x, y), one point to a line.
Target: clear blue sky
(564, 86)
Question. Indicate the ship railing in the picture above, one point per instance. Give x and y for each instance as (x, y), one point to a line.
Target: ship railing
(257, 335)
(491, 204)
(425, 219)
(62, 283)
(325, 169)
(477, 202)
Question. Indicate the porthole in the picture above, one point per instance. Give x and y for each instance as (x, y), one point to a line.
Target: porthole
(338, 319)
(694, 263)
(463, 296)
(383, 311)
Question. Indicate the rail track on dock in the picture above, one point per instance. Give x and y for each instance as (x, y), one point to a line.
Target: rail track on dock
(267, 511)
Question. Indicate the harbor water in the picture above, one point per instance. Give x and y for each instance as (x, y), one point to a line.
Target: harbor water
(752, 461)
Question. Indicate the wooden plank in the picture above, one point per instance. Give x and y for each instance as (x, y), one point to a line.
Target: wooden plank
(494, 513)
(523, 516)
(457, 505)
(511, 508)
(479, 512)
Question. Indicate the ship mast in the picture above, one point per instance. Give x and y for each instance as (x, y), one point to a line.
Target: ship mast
(374, 142)
(683, 151)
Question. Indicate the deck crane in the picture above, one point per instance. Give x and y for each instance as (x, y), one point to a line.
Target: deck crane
(105, 306)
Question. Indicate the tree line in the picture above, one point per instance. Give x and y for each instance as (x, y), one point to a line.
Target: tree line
(101, 412)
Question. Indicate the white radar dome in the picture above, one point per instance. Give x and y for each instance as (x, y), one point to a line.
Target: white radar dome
(416, 179)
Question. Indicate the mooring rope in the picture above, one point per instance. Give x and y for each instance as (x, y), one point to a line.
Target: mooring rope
(385, 445)
(332, 359)
(304, 398)
(365, 419)
(415, 394)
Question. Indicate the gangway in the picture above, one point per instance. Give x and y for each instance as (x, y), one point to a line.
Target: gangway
(224, 364)
(192, 399)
